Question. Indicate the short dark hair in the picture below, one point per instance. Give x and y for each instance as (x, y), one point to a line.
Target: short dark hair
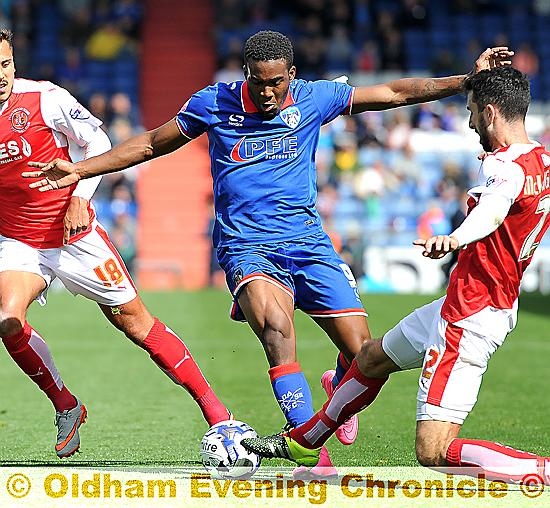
(6, 35)
(268, 45)
(505, 87)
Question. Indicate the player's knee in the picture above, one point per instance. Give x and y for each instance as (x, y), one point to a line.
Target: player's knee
(372, 360)
(276, 326)
(12, 321)
(430, 454)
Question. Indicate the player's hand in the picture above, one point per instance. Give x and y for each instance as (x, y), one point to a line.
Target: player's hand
(493, 57)
(437, 246)
(77, 218)
(53, 175)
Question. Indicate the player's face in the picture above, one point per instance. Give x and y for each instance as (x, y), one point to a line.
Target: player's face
(7, 71)
(268, 84)
(478, 123)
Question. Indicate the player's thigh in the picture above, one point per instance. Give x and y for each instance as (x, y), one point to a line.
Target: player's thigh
(406, 343)
(454, 365)
(324, 284)
(263, 292)
(93, 268)
(23, 278)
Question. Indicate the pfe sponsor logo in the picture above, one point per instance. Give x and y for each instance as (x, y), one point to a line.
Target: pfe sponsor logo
(274, 148)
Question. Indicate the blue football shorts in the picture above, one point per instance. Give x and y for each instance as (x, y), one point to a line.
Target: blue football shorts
(308, 269)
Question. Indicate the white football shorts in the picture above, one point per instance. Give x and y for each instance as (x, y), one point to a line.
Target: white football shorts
(90, 267)
(453, 356)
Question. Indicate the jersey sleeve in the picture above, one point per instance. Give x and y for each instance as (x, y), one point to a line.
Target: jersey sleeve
(194, 117)
(332, 98)
(498, 176)
(63, 113)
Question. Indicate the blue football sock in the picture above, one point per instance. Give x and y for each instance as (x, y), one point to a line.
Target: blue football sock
(292, 393)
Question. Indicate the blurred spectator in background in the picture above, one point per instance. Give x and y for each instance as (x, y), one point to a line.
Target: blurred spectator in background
(98, 106)
(413, 14)
(106, 42)
(526, 60)
(446, 62)
(456, 220)
(433, 221)
(545, 136)
(399, 130)
(368, 58)
(425, 117)
(122, 109)
(231, 70)
(71, 73)
(78, 26)
(128, 15)
(339, 54)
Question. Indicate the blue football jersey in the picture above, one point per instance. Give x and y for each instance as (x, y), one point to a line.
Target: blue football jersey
(263, 170)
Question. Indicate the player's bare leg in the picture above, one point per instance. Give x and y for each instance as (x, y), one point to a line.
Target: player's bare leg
(432, 441)
(347, 333)
(27, 348)
(438, 445)
(270, 313)
(169, 352)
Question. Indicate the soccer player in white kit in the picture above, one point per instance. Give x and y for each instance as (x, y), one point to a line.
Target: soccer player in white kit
(49, 235)
(453, 338)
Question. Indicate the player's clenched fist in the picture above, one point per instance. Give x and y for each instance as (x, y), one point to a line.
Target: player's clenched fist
(56, 174)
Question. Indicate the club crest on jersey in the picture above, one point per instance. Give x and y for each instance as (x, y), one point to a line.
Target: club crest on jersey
(20, 119)
(237, 276)
(79, 112)
(291, 116)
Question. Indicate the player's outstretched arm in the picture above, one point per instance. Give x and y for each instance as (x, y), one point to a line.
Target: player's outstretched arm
(482, 220)
(406, 91)
(141, 148)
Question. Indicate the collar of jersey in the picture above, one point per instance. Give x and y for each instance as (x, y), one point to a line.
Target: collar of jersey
(250, 107)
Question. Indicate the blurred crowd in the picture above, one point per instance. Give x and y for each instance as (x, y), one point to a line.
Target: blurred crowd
(91, 48)
(386, 178)
(383, 178)
(344, 36)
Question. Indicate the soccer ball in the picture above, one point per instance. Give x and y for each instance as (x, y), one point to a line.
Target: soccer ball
(222, 453)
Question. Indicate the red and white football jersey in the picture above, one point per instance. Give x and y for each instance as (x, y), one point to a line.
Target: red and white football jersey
(489, 271)
(39, 122)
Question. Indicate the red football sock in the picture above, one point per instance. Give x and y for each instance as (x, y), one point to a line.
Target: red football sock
(169, 352)
(32, 355)
(496, 461)
(353, 394)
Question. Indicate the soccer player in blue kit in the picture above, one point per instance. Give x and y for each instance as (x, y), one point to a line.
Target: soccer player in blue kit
(263, 134)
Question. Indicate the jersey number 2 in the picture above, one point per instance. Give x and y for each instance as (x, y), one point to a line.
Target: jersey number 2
(530, 243)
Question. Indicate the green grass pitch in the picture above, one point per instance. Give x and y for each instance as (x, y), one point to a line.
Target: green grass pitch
(138, 417)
